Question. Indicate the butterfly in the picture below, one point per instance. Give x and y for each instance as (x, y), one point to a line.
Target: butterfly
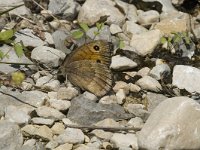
(88, 67)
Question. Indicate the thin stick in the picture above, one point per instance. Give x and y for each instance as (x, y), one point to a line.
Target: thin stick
(103, 128)
(13, 63)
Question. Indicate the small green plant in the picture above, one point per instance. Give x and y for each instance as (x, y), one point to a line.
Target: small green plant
(175, 39)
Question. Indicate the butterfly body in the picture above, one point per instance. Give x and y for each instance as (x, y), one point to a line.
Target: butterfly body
(88, 67)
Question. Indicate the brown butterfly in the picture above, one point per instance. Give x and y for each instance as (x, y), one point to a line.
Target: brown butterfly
(88, 67)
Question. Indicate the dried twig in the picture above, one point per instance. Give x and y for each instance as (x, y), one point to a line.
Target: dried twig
(102, 128)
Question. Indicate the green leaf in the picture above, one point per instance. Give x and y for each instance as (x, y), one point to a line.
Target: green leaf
(177, 39)
(6, 35)
(163, 40)
(187, 40)
(18, 49)
(84, 26)
(99, 25)
(121, 44)
(77, 34)
(1, 55)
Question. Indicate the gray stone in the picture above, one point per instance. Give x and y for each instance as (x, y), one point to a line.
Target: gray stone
(154, 100)
(65, 146)
(18, 11)
(124, 140)
(51, 145)
(90, 96)
(48, 83)
(121, 95)
(69, 9)
(50, 56)
(114, 28)
(186, 77)
(42, 121)
(102, 134)
(48, 112)
(58, 128)
(87, 112)
(72, 136)
(136, 122)
(93, 10)
(148, 17)
(11, 137)
(130, 28)
(59, 37)
(67, 93)
(143, 72)
(122, 63)
(104, 33)
(43, 132)
(137, 109)
(151, 40)
(157, 71)
(49, 38)
(13, 58)
(174, 124)
(16, 115)
(59, 104)
(149, 83)
(28, 38)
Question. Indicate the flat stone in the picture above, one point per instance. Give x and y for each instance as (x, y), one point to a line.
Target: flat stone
(69, 9)
(50, 56)
(186, 77)
(46, 82)
(43, 132)
(108, 122)
(16, 115)
(13, 58)
(125, 63)
(151, 40)
(174, 124)
(148, 17)
(137, 109)
(86, 112)
(124, 140)
(149, 83)
(28, 38)
(72, 136)
(130, 28)
(51, 144)
(49, 38)
(42, 121)
(121, 85)
(92, 10)
(50, 113)
(59, 104)
(157, 71)
(108, 99)
(67, 93)
(58, 128)
(114, 28)
(65, 146)
(143, 72)
(11, 137)
(102, 134)
(136, 122)
(173, 22)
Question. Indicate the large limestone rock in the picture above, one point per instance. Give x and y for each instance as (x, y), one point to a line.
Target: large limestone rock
(174, 124)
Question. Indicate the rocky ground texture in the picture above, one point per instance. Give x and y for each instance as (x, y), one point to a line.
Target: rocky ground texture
(154, 103)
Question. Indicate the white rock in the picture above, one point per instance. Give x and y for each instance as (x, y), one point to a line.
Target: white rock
(42, 121)
(28, 38)
(71, 135)
(157, 71)
(52, 85)
(51, 144)
(92, 10)
(121, 95)
(52, 95)
(26, 86)
(137, 109)
(107, 123)
(30, 142)
(134, 87)
(143, 72)
(17, 115)
(122, 63)
(11, 137)
(90, 96)
(114, 28)
(48, 38)
(59, 104)
(108, 99)
(149, 83)
(148, 17)
(65, 146)
(124, 140)
(47, 55)
(136, 122)
(48, 112)
(67, 93)
(174, 124)
(58, 128)
(151, 40)
(102, 134)
(121, 85)
(130, 28)
(186, 77)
